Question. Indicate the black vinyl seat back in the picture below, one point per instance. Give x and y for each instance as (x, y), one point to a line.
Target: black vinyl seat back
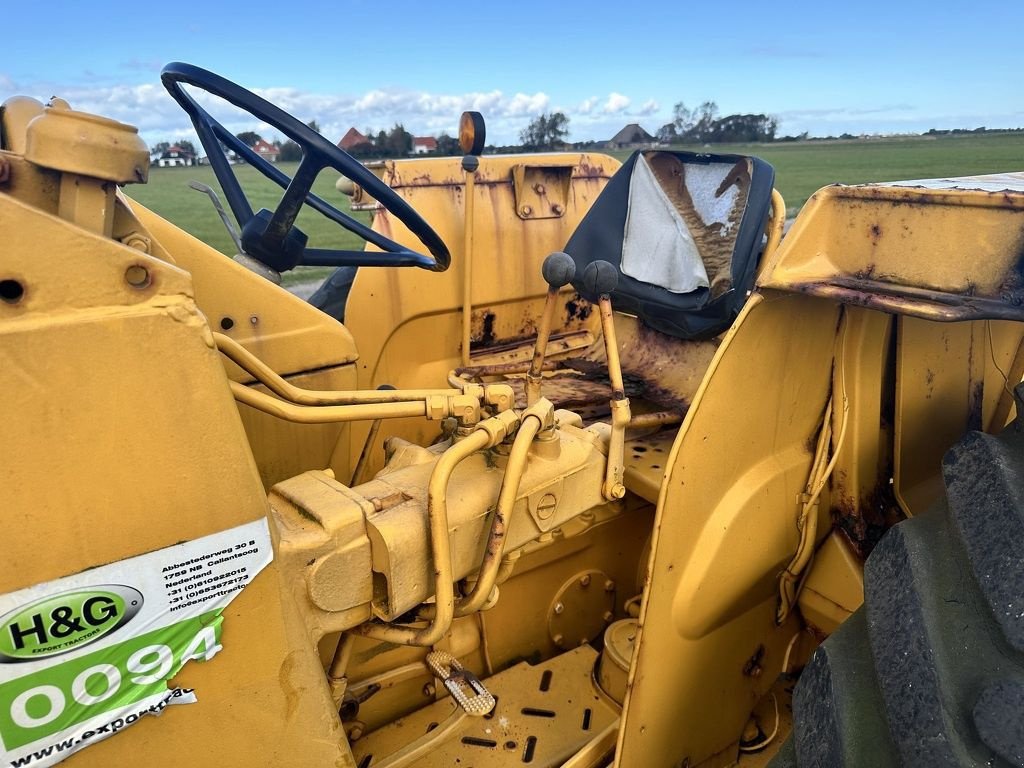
(685, 231)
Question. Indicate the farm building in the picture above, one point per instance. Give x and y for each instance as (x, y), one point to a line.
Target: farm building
(353, 139)
(173, 156)
(422, 145)
(266, 150)
(631, 137)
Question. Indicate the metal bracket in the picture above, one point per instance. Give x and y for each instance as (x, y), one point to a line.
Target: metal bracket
(542, 191)
(458, 680)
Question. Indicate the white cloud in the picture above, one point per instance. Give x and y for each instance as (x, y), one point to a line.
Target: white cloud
(616, 103)
(587, 105)
(649, 107)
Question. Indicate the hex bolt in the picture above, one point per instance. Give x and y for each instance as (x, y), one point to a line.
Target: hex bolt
(137, 276)
(608, 616)
(557, 209)
(585, 580)
(559, 607)
(355, 733)
(254, 319)
(609, 586)
(526, 210)
(429, 690)
(539, 189)
(558, 639)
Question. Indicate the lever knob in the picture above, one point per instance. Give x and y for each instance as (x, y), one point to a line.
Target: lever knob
(558, 269)
(600, 278)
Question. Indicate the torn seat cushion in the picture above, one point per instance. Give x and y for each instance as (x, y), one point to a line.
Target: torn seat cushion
(685, 231)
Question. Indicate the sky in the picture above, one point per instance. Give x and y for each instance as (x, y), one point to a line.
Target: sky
(859, 66)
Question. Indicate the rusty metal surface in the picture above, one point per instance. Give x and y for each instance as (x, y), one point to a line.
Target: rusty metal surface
(930, 249)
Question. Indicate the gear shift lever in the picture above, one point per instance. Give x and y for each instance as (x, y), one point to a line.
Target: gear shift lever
(600, 278)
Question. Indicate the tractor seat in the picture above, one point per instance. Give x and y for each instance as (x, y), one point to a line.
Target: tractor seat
(685, 231)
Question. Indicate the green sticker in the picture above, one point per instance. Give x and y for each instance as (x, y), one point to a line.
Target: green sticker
(64, 695)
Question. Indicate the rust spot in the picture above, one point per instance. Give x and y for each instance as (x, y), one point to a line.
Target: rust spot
(864, 523)
(753, 666)
(867, 273)
(577, 308)
(876, 231)
(487, 336)
(975, 404)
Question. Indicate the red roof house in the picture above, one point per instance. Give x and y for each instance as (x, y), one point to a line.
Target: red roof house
(266, 150)
(421, 145)
(353, 139)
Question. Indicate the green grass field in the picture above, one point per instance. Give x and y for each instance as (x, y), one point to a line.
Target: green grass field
(800, 169)
(169, 194)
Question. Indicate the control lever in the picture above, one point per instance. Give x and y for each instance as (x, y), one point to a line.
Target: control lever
(600, 278)
(558, 270)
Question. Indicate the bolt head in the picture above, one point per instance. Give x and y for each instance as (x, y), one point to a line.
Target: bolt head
(559, 608)
(585, 580)
(526, 210)
(609, 586)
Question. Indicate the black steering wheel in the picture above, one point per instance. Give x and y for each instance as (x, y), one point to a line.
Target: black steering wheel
(273, 238)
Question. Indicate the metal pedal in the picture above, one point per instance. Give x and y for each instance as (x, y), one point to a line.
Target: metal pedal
(464, 687)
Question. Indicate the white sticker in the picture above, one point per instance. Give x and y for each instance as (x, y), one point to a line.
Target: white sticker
(83, 657)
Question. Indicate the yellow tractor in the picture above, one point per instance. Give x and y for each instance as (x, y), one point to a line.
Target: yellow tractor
(598, 469)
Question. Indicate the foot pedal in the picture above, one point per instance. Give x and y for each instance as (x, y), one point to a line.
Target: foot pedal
(463, 685)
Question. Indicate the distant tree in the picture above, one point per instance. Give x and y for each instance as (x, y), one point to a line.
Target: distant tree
(159, 149)
(739, 128)
(447, 145)
(398, 141)
(290, 152)
(704, 121)
(667, 134)
(187, 146)
(314, 125)
(249, 138)
(683, 119)
(545, 131)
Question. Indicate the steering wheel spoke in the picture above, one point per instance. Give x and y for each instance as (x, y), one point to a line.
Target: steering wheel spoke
(271, 236)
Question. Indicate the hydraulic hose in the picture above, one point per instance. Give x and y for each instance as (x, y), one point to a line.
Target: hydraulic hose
(486, 434)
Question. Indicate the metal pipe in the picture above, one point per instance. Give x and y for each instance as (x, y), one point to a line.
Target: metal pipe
(530, 425)
(467, 264)
(655, 419)
(532, 422)
(534, 375)
(364, 455)
(336, 677)
(486, 434)
(613, 487)
(303, 414)
(266, 376)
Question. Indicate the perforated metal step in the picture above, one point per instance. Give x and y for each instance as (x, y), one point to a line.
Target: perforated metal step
(544, 715)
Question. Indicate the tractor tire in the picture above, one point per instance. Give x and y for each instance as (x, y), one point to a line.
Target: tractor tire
(930, 670)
